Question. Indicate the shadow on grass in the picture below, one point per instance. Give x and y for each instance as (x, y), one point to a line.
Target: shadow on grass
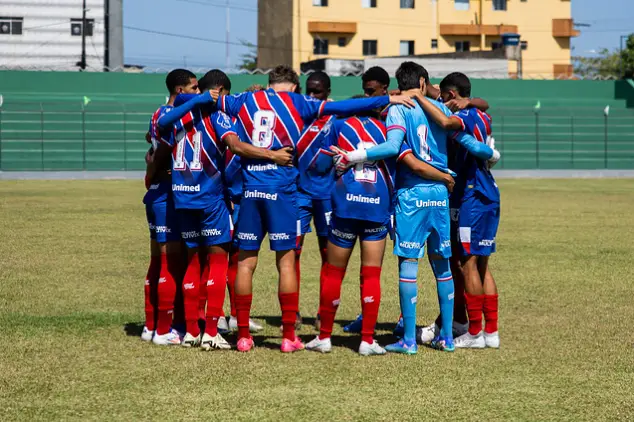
(133, 329)
(276, 321)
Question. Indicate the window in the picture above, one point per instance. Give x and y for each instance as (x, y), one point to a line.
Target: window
(75, 27)
(369, 47)
(407, 4)
(11, 26)
(434, 43)
(495, 45)
(320, 3)
(463, 46)
(342, 41)
(524, 45)
(461, 4)
(368, 3)
(320, 46)
(499, 4)
(407, 48)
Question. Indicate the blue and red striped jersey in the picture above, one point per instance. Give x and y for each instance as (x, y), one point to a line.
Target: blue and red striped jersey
(233, 176)
(198, 158)
(317, 185)
(159, 189)
(365, 191)
(473, 173)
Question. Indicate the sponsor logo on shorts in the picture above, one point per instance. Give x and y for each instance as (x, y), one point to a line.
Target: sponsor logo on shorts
(445, 244)
(410, 245)
(162, 229)
(211, 232)
(376, 230)
(343, 235)
(279, 236)
(155, 186)
(190, 235)
(362, 199)
(256, 194)
(185, 188)
(487, 242)
(429, 203)
(261, 167)
(247, 236)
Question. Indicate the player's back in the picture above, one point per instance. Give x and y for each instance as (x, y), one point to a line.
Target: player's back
(317, 185)
(159, 188)
(198, 158)
(365, 191)
(473, 174)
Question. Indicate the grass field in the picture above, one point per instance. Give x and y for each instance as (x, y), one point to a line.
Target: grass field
(73, 258)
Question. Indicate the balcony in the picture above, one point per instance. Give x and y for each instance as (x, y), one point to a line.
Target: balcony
(332, 27)
(564, 28)
(470, 29)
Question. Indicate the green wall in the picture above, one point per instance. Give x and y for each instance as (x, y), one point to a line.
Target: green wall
(44, 124)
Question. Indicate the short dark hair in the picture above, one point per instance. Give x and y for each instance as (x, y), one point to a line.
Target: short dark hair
(283, 74)
(178, 77)
(320, 76)
(409, 74)
(376, 73)
(458, 81)
(215, 78)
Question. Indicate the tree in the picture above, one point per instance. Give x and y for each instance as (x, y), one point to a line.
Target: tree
(249, 59)
(608, 64)
(627, 58)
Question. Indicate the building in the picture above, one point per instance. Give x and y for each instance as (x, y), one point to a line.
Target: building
(47, 34)
(297, 31)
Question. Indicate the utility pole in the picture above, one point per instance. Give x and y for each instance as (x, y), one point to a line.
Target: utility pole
(82, 63)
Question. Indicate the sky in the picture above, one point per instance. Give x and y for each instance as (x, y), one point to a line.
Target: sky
(199, 42)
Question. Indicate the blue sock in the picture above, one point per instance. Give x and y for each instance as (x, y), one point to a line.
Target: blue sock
(444, 284)
(408, 293)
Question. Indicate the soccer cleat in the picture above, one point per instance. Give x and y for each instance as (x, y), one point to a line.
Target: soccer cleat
(402, 347)
(191, 341)
(459, 329)
(367, 349)
(399, 328)
(290, 346)
(254, 327)
(245, 344)
(168, 339)
(426, 334)
(217, 342)
(469, 341)
(444, 344)
(317, 322)
(223, 326)
(492, 340)
(146, 335)
(354, 326)
(318, 345)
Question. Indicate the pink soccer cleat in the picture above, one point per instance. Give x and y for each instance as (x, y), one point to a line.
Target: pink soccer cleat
(290, 346)
(245, 344)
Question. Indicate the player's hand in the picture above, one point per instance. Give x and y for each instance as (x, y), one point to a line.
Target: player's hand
(215, 93)
(148, 138)
(405, 100)
(149, 156)
(341, 161)
(283, 157)
(449, 182)
(490, 142)
(457, 105)
(494, 159)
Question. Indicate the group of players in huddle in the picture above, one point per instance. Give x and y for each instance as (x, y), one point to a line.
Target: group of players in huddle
(225, 170)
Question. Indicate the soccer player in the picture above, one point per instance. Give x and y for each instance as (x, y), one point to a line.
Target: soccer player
(422, 213)
(475, 206)
(375, 82)
(197, 151)
(163, 275)
(314, 188)
(362, 202)
(269, 120)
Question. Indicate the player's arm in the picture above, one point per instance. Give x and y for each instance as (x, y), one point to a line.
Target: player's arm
(438, 116)
(425, 170)
(479, 149)
(168, 119)
(282, 157)
(457, 105)
(347, 107)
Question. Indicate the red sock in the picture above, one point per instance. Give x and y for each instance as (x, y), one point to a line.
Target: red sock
(232, 271)
(474, 311)
(331, 279)
(216, 284)
(370, 301)
(191, 292)
(202, 286)
(243, 311)
(298, 254)
(490, 313)
(166, 293)
(180, 263)
(289, 302)
(149, 291)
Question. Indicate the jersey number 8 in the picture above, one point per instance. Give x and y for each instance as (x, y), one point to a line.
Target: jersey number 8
(263, 124)
(179, 159)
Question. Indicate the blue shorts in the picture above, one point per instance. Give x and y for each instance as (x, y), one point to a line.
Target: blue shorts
(318, 209)
(474, 226)
(273, 213)
(422, 216)
(344, 231)
(162, 221)
(206, 227)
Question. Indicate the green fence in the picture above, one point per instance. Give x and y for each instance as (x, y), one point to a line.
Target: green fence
(45, 123)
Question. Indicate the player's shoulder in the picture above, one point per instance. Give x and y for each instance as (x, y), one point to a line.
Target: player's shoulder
(221, 119)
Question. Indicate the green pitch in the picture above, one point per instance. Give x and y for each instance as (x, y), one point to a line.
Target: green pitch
(73, 257)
